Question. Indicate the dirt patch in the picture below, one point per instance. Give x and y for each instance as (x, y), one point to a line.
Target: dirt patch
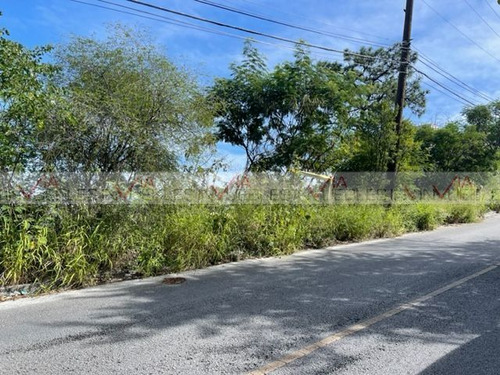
(173, 280)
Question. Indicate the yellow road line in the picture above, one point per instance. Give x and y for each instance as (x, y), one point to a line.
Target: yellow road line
(307, 350)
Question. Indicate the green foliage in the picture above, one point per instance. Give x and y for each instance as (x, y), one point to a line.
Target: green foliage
(486, 120)
(377, 71)
(56, 246)
(456, 148)
(375, 138)
(427, 216)
(295, 114)
(126, 107)
(464, 213)
(25, 98)
(73, 245)
(318, 116)
(120, 105)
(269, 229)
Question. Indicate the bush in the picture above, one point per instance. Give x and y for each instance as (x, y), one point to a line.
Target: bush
(82, 245)
(428, 216)
(464, 213)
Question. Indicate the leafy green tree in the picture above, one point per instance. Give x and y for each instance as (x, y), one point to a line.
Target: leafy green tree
(376, 73)
(296, 114)
(472, 146)
(374, 138)
(486, 118)
(24, 99)
(126, 107)
(456, 148)
(241, 106)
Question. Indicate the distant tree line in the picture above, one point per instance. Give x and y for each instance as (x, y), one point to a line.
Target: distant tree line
(120, 104)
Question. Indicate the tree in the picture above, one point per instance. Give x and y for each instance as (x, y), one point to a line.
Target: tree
(126, 107)
(241, 107)
(486, 118)
(377, 71)
(376, 74)
(24, 99)
(456, 148)
(467, 146)
(296, 114)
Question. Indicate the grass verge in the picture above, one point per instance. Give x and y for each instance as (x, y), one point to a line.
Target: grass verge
(73, 246)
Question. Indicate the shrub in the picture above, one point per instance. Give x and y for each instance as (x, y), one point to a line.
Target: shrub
(81, 245)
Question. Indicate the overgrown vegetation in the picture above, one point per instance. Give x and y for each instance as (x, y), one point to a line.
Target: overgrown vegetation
(74, 246)
(120, 105)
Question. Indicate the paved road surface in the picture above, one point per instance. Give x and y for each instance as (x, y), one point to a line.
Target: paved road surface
(237, 318)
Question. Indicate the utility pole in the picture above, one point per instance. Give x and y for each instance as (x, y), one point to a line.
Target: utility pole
(403, 72)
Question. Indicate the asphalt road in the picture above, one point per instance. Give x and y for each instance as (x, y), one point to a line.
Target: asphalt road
(239, 317)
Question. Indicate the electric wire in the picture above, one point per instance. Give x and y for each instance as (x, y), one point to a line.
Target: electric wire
(456, 82)
(440, 70)
(444, 72)
(481, 18)
(444, 87)
(461, 32)
(158, 18)
(288, 24)
(435, 88)
(176, 22)
(492, 9)
(254, 32)
(301, 16)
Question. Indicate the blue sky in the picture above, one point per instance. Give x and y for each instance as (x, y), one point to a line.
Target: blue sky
(468, 48)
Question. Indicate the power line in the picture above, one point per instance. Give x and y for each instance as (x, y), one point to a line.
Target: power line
(461, 32)
(301, 16)
(444, 87)
(287, 24)
(492, 9)
(156, 17)
(441, 71)
(254, 32)
(421, 56)
(444, 93)
(175, 22)
(437, 69)
(188, 25)
(172, 21)
(482, 18)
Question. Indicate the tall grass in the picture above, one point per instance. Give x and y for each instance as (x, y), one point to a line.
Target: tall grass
(83, 245)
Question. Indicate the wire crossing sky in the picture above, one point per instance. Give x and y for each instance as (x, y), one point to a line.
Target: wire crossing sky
(458, 41)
